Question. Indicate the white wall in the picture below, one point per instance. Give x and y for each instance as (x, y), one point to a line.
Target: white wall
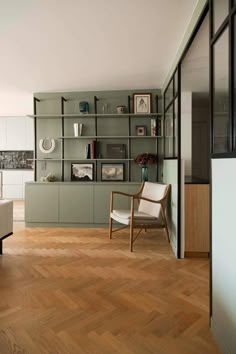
(223, 319)
(186, 131)
(16, 103)
(170, 175)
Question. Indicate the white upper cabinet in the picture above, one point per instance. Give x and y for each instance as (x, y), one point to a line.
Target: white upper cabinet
(16, 133)
(3, 134)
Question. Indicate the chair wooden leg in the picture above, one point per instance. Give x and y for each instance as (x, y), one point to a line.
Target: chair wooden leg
(131, 234)
(110, 228)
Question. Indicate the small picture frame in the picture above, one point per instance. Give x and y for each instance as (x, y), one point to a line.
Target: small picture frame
(112, 172)
(142, 103)
(141, 130)
(82, 172)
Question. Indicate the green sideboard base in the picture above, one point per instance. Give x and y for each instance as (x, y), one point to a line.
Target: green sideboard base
(73, 205)
(66, 225)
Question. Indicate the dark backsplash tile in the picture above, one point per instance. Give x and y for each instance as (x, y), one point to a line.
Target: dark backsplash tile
(16, 160)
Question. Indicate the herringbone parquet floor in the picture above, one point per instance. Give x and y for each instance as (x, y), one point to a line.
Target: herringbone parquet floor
(73, 291)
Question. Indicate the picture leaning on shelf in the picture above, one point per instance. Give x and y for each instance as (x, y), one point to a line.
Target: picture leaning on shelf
(112, 172)
(82, 172)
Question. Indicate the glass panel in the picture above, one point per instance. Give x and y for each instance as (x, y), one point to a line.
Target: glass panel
(221, 121)
(176, 127)
(169, 138)
(169, 94)
(176, 82)
(220, 12)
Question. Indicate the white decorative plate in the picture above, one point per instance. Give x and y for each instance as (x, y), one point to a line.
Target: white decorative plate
(47, 145)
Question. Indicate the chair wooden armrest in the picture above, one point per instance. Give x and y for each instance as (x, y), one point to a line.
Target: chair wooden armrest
(124, 194)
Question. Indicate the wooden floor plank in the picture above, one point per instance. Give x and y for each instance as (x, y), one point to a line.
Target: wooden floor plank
(75, 291)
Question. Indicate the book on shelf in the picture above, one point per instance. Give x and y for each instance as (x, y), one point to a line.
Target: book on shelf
(92, 150)
(87, 151)
(153, 127)
(156, 127)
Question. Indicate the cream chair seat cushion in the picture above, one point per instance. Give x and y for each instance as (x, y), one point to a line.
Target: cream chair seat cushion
(6, 217)
(124, 216)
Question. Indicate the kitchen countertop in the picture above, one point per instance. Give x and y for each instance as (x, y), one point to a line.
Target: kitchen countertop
(195, 180)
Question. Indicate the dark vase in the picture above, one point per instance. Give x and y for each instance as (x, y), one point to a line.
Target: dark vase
(144, 173)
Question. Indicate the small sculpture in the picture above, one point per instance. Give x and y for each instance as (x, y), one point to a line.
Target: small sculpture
(49, 178)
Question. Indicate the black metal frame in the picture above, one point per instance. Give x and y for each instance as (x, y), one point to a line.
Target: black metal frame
(2, 238)
(227, 23)
(176, 155)
(63, 100)
(178, 96)
(35, 100)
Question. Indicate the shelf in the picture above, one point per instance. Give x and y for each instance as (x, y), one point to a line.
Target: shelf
(93, 115)
(79, 159)
(111, 137)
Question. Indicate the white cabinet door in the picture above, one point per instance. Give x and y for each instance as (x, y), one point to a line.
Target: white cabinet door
(28, 176)
(12, 177)
(13, 183)
(12, 191)
(3, 133)
(16, 135)
(19, 133)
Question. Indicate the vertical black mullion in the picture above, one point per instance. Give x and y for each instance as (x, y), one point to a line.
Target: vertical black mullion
(230, 100)
(173, 119)
(179, 165)
(129, 140)
(211, 79)
(35, 138)
(211, 83)
(96, 133)
(62, 140)
(232, 80)
(157, 132)
(164, 124)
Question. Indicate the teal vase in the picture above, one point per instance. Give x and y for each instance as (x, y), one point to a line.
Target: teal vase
(144, 173)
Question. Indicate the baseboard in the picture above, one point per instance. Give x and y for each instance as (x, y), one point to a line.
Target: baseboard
(196, 254)
(64, 225)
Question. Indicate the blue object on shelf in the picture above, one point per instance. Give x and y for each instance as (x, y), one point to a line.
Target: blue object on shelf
(83, 107)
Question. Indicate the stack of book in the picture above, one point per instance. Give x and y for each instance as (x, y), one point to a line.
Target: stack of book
(156, 127)
(91, 150)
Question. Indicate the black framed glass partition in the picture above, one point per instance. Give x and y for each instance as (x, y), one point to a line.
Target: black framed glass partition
(221, 118)
(223, 82)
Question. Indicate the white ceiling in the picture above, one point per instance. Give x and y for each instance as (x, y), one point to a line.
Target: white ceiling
(58, 45)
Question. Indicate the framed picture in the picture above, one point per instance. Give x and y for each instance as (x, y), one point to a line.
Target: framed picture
(82, 172)
(141, 130)
(116, 151)
(112, 172)
(142, 102)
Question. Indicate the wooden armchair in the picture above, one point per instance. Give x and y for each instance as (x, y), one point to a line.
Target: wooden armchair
(151, 200)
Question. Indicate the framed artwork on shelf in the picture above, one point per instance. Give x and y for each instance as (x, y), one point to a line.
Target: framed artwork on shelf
(141, 130)
(82, 172)
(142, 102)
(112, 172)
(116, 151)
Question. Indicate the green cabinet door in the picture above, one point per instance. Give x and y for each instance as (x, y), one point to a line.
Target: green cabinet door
(76, 203)
(102, 195)
(41, 203)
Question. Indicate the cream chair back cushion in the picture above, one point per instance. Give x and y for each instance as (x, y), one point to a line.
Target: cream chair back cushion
(153, 191)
